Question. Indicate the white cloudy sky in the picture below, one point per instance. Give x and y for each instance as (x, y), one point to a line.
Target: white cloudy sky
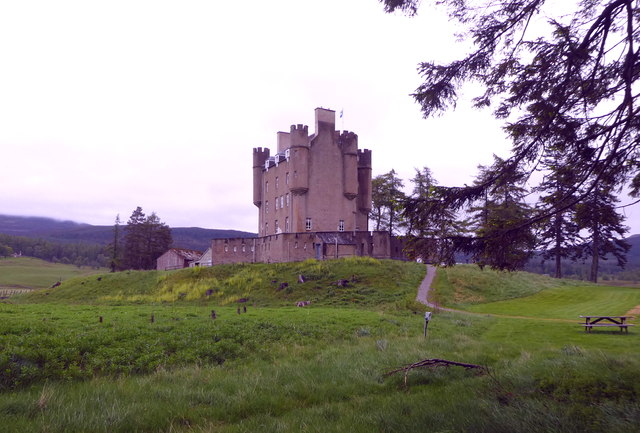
(105, 106)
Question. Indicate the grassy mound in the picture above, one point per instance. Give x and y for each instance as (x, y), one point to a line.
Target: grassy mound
(32, 273)
(352, 281)
(464, 285)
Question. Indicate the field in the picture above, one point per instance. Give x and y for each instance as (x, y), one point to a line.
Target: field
(88, 357)
(22, 273)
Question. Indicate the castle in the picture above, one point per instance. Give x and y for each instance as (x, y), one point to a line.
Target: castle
(313, 198)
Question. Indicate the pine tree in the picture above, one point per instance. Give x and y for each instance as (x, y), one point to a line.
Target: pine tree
(597, 215)
(559, 234)
(146, 239)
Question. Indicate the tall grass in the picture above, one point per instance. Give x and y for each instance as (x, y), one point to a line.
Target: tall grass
(370, 282)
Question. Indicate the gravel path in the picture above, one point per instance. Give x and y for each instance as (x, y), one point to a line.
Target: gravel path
(423, 291)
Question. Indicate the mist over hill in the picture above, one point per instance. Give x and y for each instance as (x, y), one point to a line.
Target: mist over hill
(73, 232)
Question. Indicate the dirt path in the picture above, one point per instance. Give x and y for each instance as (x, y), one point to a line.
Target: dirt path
(425, 286)
(423, 297)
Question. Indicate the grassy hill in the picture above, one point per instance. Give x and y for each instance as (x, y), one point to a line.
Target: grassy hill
(365, 282)
(31, 273)
(88, 356)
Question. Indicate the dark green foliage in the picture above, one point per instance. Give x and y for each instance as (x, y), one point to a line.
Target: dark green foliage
(146, 239)
(79, 254)
(387, 197)
(562, 83)
(558, 235)
(597, 215)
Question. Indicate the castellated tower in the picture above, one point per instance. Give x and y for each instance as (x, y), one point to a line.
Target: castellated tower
(314, 183)
(313, 198)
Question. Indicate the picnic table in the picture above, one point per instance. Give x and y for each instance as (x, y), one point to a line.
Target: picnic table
(597, 321)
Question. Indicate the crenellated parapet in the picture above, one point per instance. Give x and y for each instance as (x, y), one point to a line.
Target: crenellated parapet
(348, 142)
(299, 135)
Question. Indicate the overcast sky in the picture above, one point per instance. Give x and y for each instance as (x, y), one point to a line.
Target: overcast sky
(105, 106)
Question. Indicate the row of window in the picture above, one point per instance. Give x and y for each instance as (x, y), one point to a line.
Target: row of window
(286, 181)
(308, 225)
(280, 202)
(235, 248)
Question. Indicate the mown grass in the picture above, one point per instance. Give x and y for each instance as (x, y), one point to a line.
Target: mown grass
(318, 368)
(32, 273)
(567, 302)
(464, 285)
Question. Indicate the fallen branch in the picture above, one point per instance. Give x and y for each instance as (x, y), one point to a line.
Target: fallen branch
(431, 363)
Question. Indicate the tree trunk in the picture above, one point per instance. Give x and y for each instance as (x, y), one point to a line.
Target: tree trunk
(595, 245)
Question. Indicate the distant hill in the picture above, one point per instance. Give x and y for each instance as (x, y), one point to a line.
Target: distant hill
(72, 232)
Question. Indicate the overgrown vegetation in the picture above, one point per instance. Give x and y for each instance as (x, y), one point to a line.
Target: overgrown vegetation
(318, 368)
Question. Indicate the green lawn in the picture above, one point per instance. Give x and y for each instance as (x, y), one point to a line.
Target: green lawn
(32, 273)
(567, 303)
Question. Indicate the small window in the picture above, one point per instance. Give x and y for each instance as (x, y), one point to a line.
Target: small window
(286, 178)
(295, 245)
(275, 226)
(281, 201)
(266, 206)
(266, 228)
(276, 182)
(235, 249)
(308, 224)
(266, 187)
(341, 226)
(276, 203)
(286, 224)
(244, 248)
(226, 248)
(305, 246)
(287, 199)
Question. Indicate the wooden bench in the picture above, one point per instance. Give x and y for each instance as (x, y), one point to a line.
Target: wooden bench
(591, 322)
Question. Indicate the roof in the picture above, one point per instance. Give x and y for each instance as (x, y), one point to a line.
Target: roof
(187, 254)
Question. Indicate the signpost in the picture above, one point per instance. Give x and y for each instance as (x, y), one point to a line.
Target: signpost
(427, 318)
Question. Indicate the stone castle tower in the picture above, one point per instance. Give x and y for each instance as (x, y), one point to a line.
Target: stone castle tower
(313, 197)
(314, 183)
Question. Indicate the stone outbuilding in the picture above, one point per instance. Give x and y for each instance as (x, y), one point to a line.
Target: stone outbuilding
(177, 258)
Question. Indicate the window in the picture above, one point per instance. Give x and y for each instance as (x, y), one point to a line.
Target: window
(308, 224)
(266, 187)
(341, 226)
(244, 248)
(276, 182)
(281, 201)
(275, 226)
(286, 178)
(276, 203)
(226, 248)
(286, 224)
(235, 249)
(266, 206)
(266, 228)
(295, 245)
(287, 199)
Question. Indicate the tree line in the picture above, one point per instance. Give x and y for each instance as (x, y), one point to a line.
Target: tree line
(563, 82)
(494, 230)
(79, 254)
(135, 245)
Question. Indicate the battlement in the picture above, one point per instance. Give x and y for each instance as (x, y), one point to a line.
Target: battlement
(299, 135)
(364, 158)
(300, 129)
(260, 155)
(348, 141)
